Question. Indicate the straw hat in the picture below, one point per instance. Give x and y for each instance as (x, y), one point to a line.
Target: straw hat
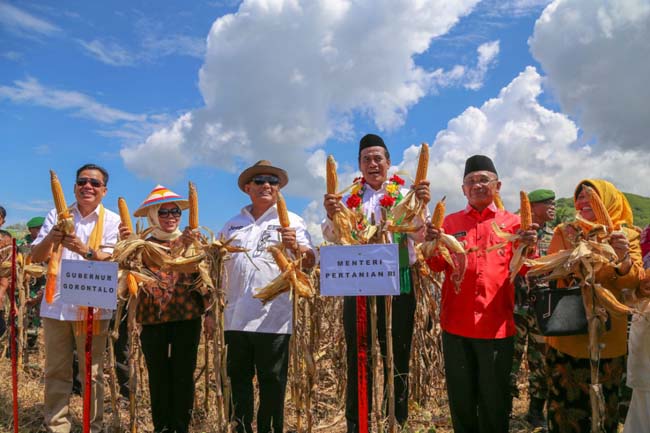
(161, 195)
(262, 167)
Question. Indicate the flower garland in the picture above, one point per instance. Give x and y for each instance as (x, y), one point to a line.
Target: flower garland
(387, 201)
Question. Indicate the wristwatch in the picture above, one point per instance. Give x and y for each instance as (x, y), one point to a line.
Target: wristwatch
(90, 254)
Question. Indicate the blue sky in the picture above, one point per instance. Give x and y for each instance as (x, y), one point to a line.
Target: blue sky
(166, 92)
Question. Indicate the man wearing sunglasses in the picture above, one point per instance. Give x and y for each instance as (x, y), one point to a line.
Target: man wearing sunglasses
(258, 334)
(91, 221)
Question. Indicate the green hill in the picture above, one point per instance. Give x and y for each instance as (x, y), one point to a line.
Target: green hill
(640, 207)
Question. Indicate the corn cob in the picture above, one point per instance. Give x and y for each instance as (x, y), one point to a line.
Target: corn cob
(498, 202)
(608, 300)
(132, 284)
(64, 220)
(330, 176)
(438, 214)
(59, 198)
(280, 258)
(125, 216)
(525, 212)
(283, 214)
(194, 207)
(423, 164)
(599, 209)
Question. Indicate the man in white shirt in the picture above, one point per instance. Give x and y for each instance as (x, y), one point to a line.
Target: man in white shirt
(61, 320)
(257, 334)
(379, 194)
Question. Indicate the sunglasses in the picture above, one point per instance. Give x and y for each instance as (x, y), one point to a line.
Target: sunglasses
(262, 179)
(165, 213)
(95, 183)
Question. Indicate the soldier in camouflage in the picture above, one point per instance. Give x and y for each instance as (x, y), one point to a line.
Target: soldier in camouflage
(528, 339)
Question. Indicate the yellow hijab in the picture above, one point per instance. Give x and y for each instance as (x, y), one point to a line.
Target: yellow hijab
(618, 207)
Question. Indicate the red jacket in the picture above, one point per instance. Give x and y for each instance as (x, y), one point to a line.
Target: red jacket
(484, 307)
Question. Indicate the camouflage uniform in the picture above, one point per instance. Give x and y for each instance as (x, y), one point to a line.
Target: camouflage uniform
(527, 332)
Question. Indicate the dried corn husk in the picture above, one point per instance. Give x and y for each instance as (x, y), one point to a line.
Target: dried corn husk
(290, 278)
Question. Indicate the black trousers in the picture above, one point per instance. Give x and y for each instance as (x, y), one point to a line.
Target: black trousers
(266, 355)
(478, 382)
(403, 316)
(121, 350)
(170, 353)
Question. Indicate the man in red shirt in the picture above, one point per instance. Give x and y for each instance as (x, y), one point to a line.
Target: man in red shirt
(478, 320)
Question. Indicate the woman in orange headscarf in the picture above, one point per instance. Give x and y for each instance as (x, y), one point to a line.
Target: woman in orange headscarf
(567, 358)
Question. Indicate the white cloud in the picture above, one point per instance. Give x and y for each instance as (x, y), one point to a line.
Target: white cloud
(532, 146)
(597, 58)
(24, 24)
(110, 53)
(30, 91)
(281, 77)
(487, 54)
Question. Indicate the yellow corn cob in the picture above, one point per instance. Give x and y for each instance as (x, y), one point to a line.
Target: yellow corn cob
(330, 176)
(598, 207)
(280, 258)
(498, 202)
(423, 164)
(438, 214)
(524, 211)
(125, 216)
(194, 207)
(283, 214)
(132, 284)
(59, 198)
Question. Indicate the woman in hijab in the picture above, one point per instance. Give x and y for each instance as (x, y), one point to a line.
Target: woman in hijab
(567, 358)
(170, 313)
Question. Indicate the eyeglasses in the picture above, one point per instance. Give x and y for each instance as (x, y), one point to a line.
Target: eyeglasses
(166, 213)
(481, 181)
(95, 183)
(262, 179)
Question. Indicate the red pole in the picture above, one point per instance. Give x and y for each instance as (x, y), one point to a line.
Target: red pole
(362, 363)
(12, 315)
(89, 367)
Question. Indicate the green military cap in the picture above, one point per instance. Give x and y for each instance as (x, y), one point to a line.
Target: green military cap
(541, 195)
(35, 222)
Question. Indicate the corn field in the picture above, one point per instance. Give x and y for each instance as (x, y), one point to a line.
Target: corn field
(315, 398)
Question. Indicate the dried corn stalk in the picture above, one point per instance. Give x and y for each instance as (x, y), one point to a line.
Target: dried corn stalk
(411, 206)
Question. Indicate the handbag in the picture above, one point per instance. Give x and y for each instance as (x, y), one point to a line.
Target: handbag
(560, 312)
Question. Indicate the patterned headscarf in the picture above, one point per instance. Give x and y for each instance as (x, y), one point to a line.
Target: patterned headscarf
(159, 233)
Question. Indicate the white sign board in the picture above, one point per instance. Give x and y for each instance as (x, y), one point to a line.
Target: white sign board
(89, 283)
(359, 270)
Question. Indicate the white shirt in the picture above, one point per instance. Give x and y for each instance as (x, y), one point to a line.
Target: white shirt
(370, 207)
(83, 228)
(243, 312)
